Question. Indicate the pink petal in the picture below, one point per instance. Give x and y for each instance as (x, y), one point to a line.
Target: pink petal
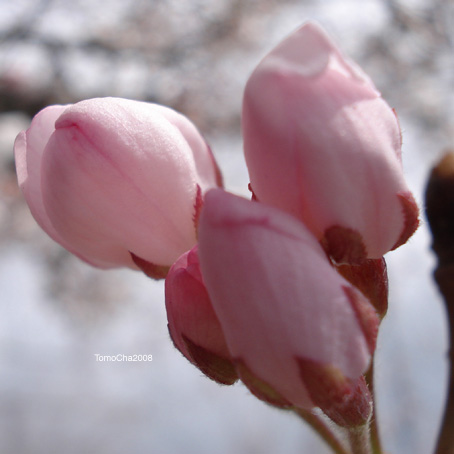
(193, 325)
(28, 151)
(322, 144)
(277, 296)
(119, 178)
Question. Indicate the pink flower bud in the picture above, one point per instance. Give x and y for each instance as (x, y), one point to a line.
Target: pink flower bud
(193, 324)
(116, 182)
(280, 302)
(321, 144)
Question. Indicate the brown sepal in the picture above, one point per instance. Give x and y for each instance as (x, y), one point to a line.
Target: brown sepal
(150, 269)
(344, 245)
(371, 279)
(346, 401)
(198, 204)
(411, 217)
(219, 369)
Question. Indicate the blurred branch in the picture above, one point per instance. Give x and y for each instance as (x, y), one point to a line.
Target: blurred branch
(440, 214)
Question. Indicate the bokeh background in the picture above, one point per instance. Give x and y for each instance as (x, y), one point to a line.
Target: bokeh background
(56, 313)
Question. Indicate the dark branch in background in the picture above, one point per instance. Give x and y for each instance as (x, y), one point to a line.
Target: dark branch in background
(440, 214)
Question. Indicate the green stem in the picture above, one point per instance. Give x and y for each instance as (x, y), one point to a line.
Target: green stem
(324, 430)
(374, 433)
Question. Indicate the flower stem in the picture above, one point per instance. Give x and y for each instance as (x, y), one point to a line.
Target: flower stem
(374, 433)
(360, 440)
(324, 430)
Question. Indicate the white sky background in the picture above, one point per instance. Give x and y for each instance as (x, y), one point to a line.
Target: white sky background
(55, 397)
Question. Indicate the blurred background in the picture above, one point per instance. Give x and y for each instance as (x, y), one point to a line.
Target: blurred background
(56, 313)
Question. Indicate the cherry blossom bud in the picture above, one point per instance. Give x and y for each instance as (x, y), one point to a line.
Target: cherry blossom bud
(193, 324)
(116, 182)
(282, 304)
(321, 144)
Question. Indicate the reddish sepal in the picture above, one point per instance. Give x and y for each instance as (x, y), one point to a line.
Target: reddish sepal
(411, 217)
(198, 204)
(219, 369)
(150, 269)
(344, 245)
(371, 279)
(346, 401)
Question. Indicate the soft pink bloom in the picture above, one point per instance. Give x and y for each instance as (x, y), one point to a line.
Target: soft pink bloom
(193, 325)
(107, 178)
(322, 144)
(286, 314)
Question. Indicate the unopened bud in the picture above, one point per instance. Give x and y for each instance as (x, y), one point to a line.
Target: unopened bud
(193, 324)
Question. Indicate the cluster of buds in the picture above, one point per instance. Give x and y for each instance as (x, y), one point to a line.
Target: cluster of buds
(296, 278)
(285, 291)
